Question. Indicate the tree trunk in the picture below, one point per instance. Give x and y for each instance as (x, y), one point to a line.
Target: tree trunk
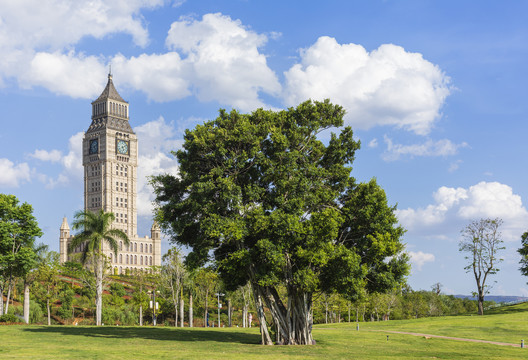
(1, 301)
(480, 303)
(49, 311)
(9, 289)
(229, 314)
(26, 301)
(264, 333)
(190, 310)
(140, 314)
(326, 312)
(176, 313)
(99, 292)
(205, 311)
(244, 316)
(182, 307)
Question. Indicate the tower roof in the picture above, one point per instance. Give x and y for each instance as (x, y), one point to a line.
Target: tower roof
(64, 225)
(110, 91)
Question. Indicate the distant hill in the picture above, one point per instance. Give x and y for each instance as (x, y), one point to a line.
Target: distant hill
(496, 298)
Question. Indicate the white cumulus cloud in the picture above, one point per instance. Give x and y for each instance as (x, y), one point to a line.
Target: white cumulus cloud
(387, 86)
(72, 169)
(34, 33)
(156, 140)
(419, 258)
(455, 207)
(224, 60)
(53, 155)
(12, 175)
(429, 148)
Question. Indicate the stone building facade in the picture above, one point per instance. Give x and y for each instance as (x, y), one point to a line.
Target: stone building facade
(110, 160)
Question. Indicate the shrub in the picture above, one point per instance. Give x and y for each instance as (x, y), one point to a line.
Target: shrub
(9, 318)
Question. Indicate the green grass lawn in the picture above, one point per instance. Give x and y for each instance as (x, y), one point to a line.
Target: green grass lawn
(334, 341)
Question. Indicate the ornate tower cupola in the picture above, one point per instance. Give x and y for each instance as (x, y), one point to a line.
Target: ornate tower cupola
(110, 104)
(63, 240)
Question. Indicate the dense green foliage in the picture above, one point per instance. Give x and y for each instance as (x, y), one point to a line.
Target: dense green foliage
(278, 208)
(9, 318)
(523, 251)
(18, 255)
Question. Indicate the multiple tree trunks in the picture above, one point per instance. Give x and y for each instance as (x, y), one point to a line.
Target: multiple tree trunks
(293, 323)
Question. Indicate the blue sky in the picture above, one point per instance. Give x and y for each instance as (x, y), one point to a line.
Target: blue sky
(435, 91)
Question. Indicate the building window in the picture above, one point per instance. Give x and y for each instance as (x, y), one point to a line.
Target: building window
(135, 259)
(150, 261)
(120, 246)
(150, 248)
(120, 258)
(135, 247)
(127, 259)
(141, 260)
(141, 246)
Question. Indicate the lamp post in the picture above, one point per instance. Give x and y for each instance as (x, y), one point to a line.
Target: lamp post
(218, 294)
(153, 306)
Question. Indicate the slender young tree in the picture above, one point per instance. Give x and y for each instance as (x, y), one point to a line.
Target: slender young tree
(482, 241)
(47, 276)
(95, 231)
(39, 251)
(206, 281)
(172, 276)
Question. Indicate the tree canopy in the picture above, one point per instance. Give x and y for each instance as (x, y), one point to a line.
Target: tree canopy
(277, 207)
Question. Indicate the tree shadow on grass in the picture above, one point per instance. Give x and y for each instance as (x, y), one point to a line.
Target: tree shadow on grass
(160, 333)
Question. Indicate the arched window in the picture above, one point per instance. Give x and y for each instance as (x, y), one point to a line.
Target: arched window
(141, 260)
(127, 259)
(120, 258)
(150, 248)
(135, 247)
(141, 246)
(150, 261)
(120, 246)
(135, 259)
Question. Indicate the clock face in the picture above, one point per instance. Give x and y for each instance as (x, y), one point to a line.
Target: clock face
(94, 146)
(122, 147)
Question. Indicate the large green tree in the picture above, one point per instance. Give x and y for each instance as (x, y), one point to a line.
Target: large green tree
(278, 208)
(95, 229)
(18, 231)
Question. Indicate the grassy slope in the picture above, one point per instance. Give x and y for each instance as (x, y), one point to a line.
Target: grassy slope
(334, 341)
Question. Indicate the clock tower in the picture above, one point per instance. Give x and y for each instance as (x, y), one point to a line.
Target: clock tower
(110, 161)
(110, 154)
